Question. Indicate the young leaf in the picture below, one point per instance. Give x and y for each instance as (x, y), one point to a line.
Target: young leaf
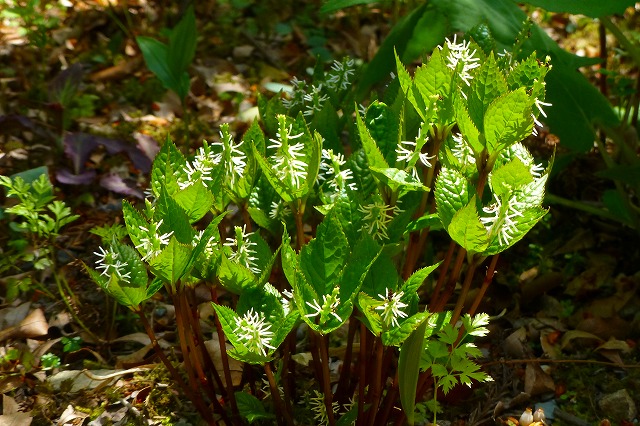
(508, 120)
(488, 84)
(251, 408)
(384, 128)
(452, 193)
(507, 178)
(467, 230)
(374, 156)
(173, 262)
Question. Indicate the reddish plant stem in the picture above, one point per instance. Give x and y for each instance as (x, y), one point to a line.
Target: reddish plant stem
(225, 360)
(284, 415)
(388, 403)
(375, 388)
(488, 278)
(211, 371)
(362, 373)
(457, 311)
(453, 278)
(602, 78)
(326, 378)
(345, 374)
(444, 267)
(195, 398)
(182, 332)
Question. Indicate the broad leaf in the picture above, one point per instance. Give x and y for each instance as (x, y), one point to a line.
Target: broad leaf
(467, 230)
(508, 120)
(452, 193)
(173, 262)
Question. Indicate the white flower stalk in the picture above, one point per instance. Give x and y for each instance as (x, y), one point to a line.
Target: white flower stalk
(211, 246)
(110, 264)
(392, 307)
(461, 59)
(330, 303)
(461, 150)
(254, 332)
(242, 251)
(287, 301)
(501, 218)
(288, 161)
(518, 150)
(340, 75)
(200, 168)
(279, 210)
(539, 104)
(296, 94)
(378, 215)
(314, 101)
(330, 165)
(152, 242)
(319, 408)
(232, 158)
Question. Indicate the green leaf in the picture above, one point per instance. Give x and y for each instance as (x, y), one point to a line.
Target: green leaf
(452, 193)
(523, 224)
(395, 336)
(167, 165)
(488, 84)
(467, 230)
(333, 5)
(173, 217)
(507, 178)
(251, 408)
(384, 127)
(173, 262)
(433, 81)
(156, 56)
(399, 181)
(375, 158)
(182, 43)
(134, 221)
(428, 221)
(409, 369)
(468, 129)
(234, 277)
(591, 8)
(508, 120)
(367, 305)
(196, 201)
(322, 259)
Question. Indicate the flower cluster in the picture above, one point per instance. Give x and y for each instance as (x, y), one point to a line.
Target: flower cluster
(110, 264)
(410, 152)
(392, 307)
(340, 75)
(288, 160)
(378, 215)
(330, 303)
(254, 332)
(461, 59)
(152, 242)
(461, 150)
(314, 100)
(229, 156)
(244, 253)
(330, 171)
(319, 408)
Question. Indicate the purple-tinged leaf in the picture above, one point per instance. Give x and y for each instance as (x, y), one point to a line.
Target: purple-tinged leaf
(67, 177)
(117, 184)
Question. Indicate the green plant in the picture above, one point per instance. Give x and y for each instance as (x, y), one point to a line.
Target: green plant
(338, 243)
(170, 62)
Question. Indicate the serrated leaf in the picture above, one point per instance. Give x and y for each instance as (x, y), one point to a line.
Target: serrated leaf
(367, 305)
(395, 336)
(433, 80)
(505, 179)
(322, 258)
(452, 193)
(523, 224)
(173, 218)
(467, 230)
(384, 128)
(196, 201)
(173, 262)
(164, 173)
(399, 181)
(488, 84)
(374, 156)
(234, 277)
(508, 120)
(133, 220)
(468, 129)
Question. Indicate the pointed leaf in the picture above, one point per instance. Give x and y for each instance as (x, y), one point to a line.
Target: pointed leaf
(508, 120)
(467, 230)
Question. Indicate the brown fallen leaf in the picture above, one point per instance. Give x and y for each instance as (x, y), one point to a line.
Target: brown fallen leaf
(536, 381)
(34, 325)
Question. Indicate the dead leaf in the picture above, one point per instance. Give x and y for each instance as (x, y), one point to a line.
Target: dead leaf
(515, 345)
(34, 325)
(16, 419)
(536, 381)
(213, 346)
(572, 335)
(87, 379)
